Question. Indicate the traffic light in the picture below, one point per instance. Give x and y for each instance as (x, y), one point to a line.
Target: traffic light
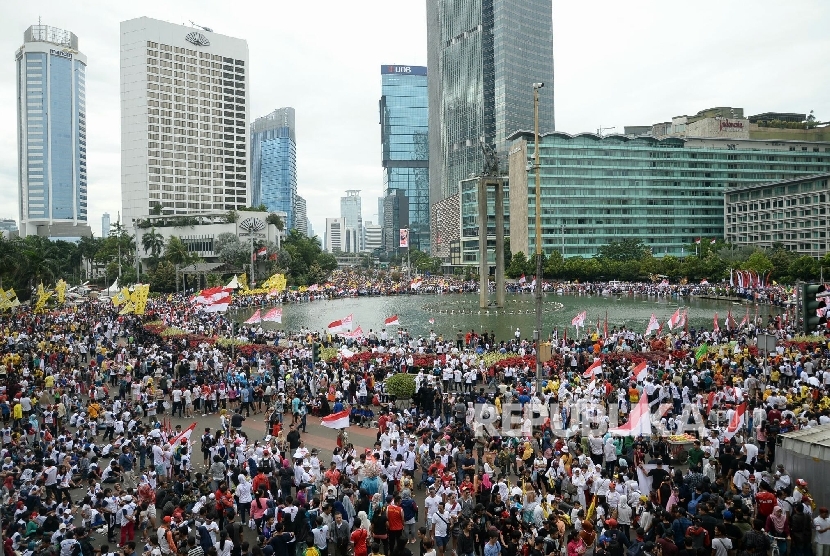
(315, 352)
(814, 308)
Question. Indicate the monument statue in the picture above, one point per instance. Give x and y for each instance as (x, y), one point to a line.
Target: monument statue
(491, 160)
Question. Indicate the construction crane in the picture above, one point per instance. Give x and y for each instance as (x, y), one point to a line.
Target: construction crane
(202, 27)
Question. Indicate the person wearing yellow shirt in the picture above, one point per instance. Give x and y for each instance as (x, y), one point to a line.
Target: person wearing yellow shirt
(93, 409)
(50, 383)
(17, 412)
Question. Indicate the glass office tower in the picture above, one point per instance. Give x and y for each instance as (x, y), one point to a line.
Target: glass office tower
(274, 163)
(404, 140)
(667, 192)
(51, 129)
(484, 57)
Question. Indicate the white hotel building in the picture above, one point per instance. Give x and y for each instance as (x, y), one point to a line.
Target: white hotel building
(184, 120)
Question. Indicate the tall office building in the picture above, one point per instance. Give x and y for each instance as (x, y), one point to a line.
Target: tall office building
(351, 213)
(404, 139)
(300, 216)
(274, 163)
(184, 120)
(484, 57)
(105, 225)
(51, 134)
(335, 235)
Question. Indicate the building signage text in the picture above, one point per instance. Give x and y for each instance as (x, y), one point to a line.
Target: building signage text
(727, 125)
(403, 70)
(61, 53)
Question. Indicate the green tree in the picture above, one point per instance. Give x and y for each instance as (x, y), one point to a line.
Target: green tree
(153, 243)
(804, 267)
(625, 250)
(518, 265)
(274, 218)
(758, 262)
(163, 277)
(554, 266)
(176, 251)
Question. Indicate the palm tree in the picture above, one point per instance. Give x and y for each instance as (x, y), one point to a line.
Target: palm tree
(153, 243)
(176, 251)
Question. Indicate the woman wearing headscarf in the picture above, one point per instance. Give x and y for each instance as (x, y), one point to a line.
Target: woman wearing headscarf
(778, 525)
(244, 498)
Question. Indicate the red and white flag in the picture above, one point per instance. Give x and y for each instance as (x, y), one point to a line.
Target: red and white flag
(522, 279)
(641, 371)
(697, 241)
(341, 325)
(274, 315)
(639, 421)
(716, 326)
(213, 300)
(590, 371)
(579, 320)
(256, 318)
(745, 320)
(262, 252)
(676, 320)
(730, 321)
(736, 423)
(713, 241)
(338, 420)
(183, 437)
(392, 321)
(653, 325)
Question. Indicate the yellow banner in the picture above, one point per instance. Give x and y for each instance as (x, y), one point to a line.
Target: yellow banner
(60, 291)
(42, 297)
(276, 282)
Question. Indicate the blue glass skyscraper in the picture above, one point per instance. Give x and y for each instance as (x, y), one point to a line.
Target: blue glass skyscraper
(51, 129)
(274, 163)
(403, 131)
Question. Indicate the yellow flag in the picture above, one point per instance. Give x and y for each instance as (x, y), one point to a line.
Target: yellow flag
(60, 290)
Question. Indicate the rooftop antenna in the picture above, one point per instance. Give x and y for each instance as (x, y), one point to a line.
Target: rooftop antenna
(208, 29)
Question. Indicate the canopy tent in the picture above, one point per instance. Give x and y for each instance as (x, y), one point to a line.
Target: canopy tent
(234, 283)
(805, 454)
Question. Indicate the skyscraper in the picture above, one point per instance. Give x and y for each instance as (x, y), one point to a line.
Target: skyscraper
(184, 120)
(483, 58)
(351, 214)
(105, 225)
(300, 216)
(274, 163)
(51, 134)
(404, 139)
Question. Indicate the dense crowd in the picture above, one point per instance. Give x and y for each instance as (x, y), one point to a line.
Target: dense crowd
(506, 465)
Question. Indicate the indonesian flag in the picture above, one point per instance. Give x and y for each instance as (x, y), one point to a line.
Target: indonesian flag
(697, 241)
(392, 321)
(730, 322)
(595, 366)
(716, 326)
(358, 333)
(639, 422)
(713, 241)
(262, 252)
(641, 371)
(255, 318)
(274, 315)
(341, 325)
(416, 283)
(745, 320)
(210, 295)
(522, 280)
(676, 320)
(653, 325)
(218, 304)
(736, 423)
(336, 420)
(710, 401)
(183, 437)
(579, 320)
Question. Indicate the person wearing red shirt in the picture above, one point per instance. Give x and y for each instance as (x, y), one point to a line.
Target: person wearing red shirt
(394, 516)
(333, 475)
(766, 502)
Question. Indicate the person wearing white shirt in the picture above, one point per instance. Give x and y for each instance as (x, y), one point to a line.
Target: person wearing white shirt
(431, 503)
(822, 537)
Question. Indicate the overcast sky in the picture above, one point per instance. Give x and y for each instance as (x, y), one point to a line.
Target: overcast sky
(616, 64)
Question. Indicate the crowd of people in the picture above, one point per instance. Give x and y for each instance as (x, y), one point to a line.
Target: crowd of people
(505, 465)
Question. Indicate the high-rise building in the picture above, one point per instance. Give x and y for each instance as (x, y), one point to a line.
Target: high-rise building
(405, 144)
(484, 57)
(105, 225)
(51, 134)
(274, 163)
(300, 216)
(335, 235)
(184, 120)
(395, 217)
(374, 237)
(666, 192)
(351, 214)
(8, 227)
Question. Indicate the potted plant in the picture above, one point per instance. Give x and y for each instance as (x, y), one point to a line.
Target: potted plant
(401, 387)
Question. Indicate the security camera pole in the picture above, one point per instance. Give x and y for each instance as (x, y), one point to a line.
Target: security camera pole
(537, 334)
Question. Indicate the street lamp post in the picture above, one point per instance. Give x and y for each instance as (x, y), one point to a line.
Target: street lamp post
(537, 334)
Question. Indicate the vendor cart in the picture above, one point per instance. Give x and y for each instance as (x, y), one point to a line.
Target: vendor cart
(679, 450)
